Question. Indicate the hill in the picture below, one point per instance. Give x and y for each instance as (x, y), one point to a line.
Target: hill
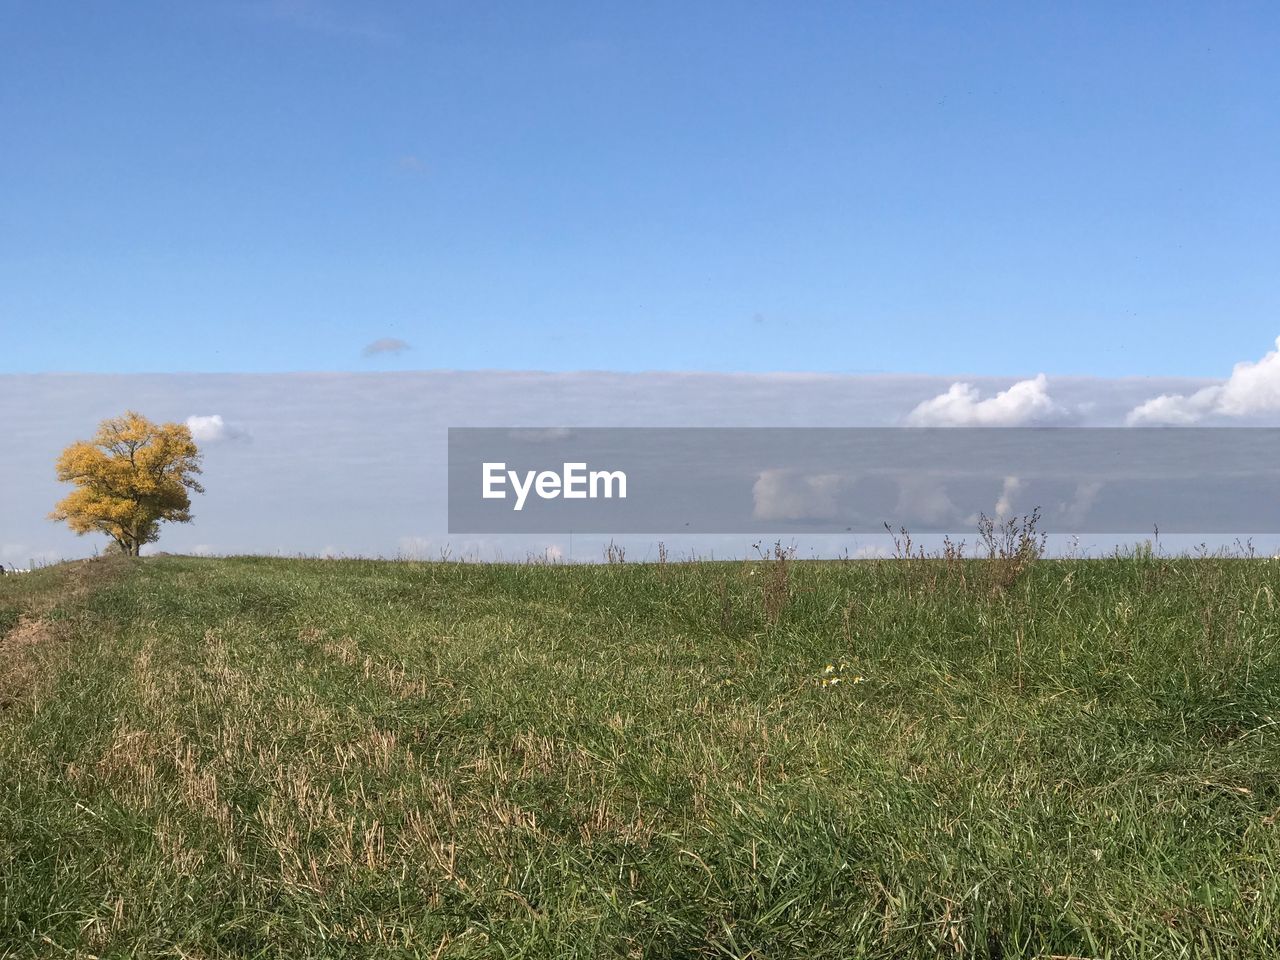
(284, 758)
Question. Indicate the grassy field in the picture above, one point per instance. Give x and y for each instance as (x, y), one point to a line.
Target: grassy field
(287, 758)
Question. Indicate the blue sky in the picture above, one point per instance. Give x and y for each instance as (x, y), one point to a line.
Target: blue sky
(994, 189)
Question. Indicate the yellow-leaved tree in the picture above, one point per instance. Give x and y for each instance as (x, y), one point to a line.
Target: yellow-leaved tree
(130, 477)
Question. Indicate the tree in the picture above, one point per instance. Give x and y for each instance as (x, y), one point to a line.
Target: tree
(132, 476)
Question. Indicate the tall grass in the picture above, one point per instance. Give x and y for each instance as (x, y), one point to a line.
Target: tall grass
(923, 758)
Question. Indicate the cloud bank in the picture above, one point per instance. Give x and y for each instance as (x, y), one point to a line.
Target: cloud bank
(1253, 388)
(780, 495)
(372, 446)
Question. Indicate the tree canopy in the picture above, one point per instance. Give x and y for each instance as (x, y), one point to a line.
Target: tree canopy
(132, 476)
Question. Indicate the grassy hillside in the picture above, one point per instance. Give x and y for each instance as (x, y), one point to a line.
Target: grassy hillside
(281, 758)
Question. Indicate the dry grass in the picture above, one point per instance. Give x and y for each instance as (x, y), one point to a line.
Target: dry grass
(888, 759)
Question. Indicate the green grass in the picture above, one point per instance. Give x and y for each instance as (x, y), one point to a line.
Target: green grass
(285, 758)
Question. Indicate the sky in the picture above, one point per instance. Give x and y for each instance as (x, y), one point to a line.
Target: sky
(987, 189)
(321, 233)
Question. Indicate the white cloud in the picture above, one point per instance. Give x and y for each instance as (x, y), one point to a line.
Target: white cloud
(1026, 402)
(1252, 388)
(1174, 409)
(1004, 505)
(1086, 495)
(789, 495)
(923, 501)
(212, 428)
(1004, 508)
